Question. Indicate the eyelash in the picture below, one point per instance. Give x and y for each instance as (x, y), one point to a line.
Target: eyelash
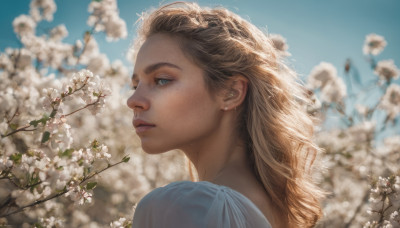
(156, 81)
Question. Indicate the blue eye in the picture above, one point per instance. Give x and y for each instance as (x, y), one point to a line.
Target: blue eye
(162, 81)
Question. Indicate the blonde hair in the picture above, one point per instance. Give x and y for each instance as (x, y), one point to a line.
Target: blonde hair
(273, 122)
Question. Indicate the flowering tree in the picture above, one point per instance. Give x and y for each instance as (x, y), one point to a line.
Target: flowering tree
(57, 137)
(356, 159)
(68, 158)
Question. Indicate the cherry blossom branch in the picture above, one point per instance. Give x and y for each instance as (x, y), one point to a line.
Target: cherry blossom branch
(15, 114)
(15, 64)
(86, 106)
(54, 109)
(24, 128)
(358, 209)
(86, 42)
(63, 191)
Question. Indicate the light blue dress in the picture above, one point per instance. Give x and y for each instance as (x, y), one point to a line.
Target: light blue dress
(199, 205)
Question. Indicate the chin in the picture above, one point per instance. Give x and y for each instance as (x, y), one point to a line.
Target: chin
(152, 149)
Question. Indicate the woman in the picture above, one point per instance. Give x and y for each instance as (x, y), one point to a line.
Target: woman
(211, 84)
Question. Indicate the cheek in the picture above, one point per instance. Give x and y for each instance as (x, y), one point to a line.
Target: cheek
(188, 114)
(191, 107)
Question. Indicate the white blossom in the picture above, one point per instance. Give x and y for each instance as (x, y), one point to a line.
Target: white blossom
(24, 25)
(385, 201)
(22, 57)
(91, 50)
(58, 33)
(280, 44)
(6, 63)
(374, 44)
(7, 100)
(391, 101)
(78, 195)
(50, 52)
(51, 222)
(104, 16)
(42, 9)
(321, 75)
(102, 153)
(362, 132)
(98, 64)
(118, 71)
(5, 163)
(392, 144)
(120, 223)
(324, 77)
(362, 110)
(84, 155)
(334, 91)
(395, 219)
(387, 70)
(61, 137)
(23, 197)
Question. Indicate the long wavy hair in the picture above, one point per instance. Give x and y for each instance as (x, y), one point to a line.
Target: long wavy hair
(272, 120)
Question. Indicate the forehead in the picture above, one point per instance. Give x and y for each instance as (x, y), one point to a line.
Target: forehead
(160, 48)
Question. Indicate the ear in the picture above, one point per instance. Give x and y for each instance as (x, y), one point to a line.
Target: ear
(235, 92)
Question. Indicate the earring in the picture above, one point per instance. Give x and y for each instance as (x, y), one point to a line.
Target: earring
(226, 108)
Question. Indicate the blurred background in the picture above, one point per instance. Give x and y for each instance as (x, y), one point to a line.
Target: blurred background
(315, 31)
(359, 109)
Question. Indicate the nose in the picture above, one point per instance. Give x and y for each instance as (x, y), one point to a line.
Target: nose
(138, 101)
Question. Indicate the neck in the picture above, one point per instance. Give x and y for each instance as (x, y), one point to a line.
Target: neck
(220, 151)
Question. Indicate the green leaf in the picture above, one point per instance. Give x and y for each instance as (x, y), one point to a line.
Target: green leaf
(91, 185)
(16, 158)
(69, 90)
(95, 144)
(67, 153)
(43, 120)
(95, 94)
(126, 159)
(53, 113)
(45, 137)
(37, 225)
(14, 126)
(34, 123)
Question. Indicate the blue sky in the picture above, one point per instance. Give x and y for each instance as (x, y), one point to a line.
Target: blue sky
(315, 30)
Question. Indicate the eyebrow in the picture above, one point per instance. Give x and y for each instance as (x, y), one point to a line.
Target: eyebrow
(155, 67)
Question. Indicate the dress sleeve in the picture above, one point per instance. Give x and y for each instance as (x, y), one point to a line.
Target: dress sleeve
(189, 204)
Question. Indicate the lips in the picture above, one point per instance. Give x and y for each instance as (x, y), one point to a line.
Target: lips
(142, 126)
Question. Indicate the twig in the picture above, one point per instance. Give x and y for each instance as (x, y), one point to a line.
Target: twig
(24, 128)
(15, 113)
(53, 112)
(60, 193)
(86, 42)
(358, 209)
(79, 109)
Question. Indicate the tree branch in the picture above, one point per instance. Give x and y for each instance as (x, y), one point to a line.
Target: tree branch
(60, 193)
(358, 209)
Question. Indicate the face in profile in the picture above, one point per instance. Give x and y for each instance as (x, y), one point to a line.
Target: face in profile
(172, 107)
